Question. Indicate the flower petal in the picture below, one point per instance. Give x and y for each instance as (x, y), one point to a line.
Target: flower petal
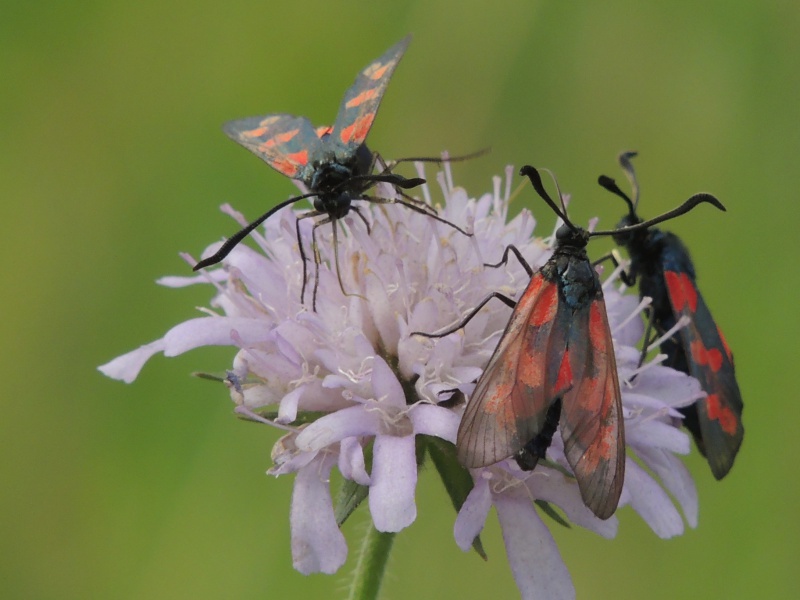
(394, 481)
(472, 516)
(428, 419)
(672, 387)
(317, 542)
(351, 461)
(675, 477)
(213, 331)
(651, 502)
(354, 421)
(553, 487)
(127, 367)
(532, 553)
(385, 385)
(655, 434)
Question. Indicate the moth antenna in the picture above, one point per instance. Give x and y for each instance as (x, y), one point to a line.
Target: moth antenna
(440, 160)
(624, 160)
(237, 237)
(558, 191)
(610, 185)
(676, 212)
(536, 180)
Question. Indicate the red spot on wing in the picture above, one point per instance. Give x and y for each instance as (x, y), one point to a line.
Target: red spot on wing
(324, 130)
(564, 379)
(530, 370)
(281, 138)
(598, 328)
(591, 398)
(357, 132)
(530, 363)
(300, 158)
(502, 412)
(282, 165)
(721, 413)
(534, 285)
(364, 96)
(377, 71)
(604, 445)
(255, 133)
(600, 396)
(681, 290)
(703, 356)
(545, 309)
(536, 307)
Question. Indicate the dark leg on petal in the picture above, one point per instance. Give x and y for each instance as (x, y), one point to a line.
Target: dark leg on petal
(336, 265)
(512, 248)
(317, 259)
(505, 299)
(363, 218)
(420, 207)
(649, 335)
(419, 203)
(303, 256)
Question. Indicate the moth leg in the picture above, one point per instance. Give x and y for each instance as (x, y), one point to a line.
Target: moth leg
(336, 266)
(362, 217)
(317, 260)
(649, 336)
(505, 299)
(303, 257)
(416, 206)
(504, 260)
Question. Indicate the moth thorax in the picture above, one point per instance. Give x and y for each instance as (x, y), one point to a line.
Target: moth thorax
(578, 283)
(332, 176)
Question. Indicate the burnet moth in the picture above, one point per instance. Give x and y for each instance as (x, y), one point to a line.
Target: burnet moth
(665, 272)
(333, 162)
(554, 365)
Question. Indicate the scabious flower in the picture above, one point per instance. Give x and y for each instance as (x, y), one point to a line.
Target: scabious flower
(355, 391)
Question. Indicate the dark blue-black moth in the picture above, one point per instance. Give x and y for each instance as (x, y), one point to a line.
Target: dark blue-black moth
(665, 272)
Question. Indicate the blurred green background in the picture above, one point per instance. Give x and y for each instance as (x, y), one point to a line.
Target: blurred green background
(112, 161)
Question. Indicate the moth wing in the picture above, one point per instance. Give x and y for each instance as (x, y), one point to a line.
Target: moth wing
(719, 431)
(509, 405)
(591, 417)
(286, 143)
(361, 102)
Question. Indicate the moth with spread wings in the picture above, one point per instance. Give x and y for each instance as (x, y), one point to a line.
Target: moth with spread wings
(661, 263)
(333, 162)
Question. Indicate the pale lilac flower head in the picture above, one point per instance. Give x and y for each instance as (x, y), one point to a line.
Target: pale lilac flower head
(355, 391)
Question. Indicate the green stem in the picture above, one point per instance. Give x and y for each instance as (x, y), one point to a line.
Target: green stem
(371, 565)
